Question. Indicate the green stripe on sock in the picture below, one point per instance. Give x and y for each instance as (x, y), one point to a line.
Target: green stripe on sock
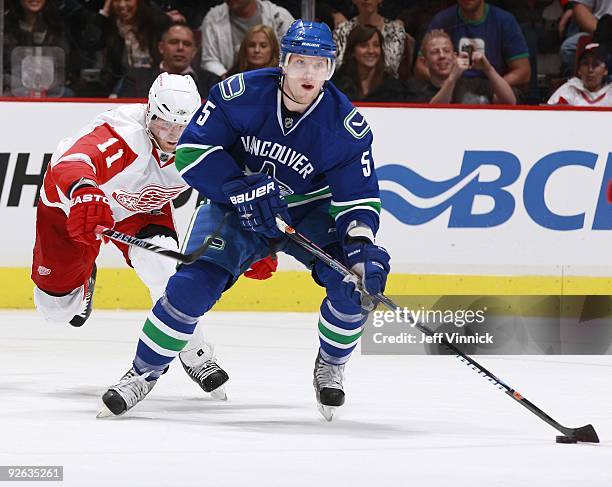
(336, 337)
(161, 339)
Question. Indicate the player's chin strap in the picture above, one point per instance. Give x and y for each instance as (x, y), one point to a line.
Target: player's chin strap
(281, 83)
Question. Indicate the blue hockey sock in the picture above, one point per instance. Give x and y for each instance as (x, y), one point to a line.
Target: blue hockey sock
(339, 332)
(190, 293)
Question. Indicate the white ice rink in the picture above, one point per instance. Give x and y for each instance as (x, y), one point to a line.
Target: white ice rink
(408, 421)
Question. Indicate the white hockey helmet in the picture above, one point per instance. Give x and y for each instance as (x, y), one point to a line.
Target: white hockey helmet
(173, 98)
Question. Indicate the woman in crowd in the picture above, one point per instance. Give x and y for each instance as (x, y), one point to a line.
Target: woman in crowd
(590, 87)
(258, 49)
(33, 23)
(128, 32)
(363, 75)
(399, 46)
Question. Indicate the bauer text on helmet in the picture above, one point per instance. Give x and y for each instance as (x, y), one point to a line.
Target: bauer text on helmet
(314, 43)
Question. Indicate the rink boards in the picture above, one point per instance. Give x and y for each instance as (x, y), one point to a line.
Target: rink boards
(475, 201)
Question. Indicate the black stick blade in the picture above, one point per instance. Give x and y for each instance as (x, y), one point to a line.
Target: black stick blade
(586, 433)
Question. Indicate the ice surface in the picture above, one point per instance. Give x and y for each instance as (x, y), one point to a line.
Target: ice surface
(408, 421)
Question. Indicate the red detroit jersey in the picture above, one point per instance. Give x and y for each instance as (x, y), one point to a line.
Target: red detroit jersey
(116, 151)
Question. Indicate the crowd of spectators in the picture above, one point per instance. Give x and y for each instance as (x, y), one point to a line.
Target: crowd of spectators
(424, 51)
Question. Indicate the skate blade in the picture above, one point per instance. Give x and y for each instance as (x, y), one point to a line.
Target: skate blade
(327, 412)
(105, 413)
(219, 394)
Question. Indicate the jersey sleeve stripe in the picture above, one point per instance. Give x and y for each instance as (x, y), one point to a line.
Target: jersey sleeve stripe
(47, 202)
(355, 202)
(302, 199)
(189, 157)
(336, 210)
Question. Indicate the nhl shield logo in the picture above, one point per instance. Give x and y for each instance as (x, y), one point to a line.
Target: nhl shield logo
(288, 122)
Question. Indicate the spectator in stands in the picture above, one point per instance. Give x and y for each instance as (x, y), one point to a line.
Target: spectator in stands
(31, 23)
(258, 49)
(329, 14)
(586, 14)
(325, 10)
(447, 83)
(364, 76)
(399, 47)
(128, 32)
(584, 18)
(566, 25)
(225, 26)
(475, 26)
(177, 48)
(590, 87)
(190, 12)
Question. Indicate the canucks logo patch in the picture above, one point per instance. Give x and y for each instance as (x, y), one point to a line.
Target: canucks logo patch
(356, 124)
(216, 243)
(232, 87)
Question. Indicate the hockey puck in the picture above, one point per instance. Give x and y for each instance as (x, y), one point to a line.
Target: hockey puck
(567, 439)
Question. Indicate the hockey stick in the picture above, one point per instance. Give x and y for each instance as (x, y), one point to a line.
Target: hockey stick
(572, 435)
(173, 254)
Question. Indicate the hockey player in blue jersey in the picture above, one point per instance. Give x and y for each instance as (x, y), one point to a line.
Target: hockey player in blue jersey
(271, 142)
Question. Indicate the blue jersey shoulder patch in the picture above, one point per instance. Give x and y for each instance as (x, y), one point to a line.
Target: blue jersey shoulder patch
(232, 87)
(356, 124)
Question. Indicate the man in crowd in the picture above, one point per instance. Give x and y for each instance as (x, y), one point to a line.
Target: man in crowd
(477, 27)
(447, 84)
(225, 26)
(177, 48)
(587, 15)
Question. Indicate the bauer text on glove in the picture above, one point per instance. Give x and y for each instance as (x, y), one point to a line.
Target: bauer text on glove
(258, 200)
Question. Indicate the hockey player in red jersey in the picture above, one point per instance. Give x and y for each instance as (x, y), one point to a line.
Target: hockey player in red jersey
(117, 172)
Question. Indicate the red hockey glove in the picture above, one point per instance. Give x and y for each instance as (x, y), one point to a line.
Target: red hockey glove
(262, 269)
(88, 208)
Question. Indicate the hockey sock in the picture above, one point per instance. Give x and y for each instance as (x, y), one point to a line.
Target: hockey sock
(190, 293)
(339, 332)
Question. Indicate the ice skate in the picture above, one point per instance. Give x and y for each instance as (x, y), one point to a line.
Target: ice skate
(81, 318)
(200, 364)
(123, 396)
(328, 387)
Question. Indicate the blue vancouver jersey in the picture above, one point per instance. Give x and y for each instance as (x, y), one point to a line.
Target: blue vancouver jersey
(324, 154)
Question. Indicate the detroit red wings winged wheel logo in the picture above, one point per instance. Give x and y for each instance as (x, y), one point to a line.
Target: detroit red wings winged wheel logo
(152, 197)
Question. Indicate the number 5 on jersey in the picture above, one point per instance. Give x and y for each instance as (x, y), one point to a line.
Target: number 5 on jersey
(206, 109)
(366, 164)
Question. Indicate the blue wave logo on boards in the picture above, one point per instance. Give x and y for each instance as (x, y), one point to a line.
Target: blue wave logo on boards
(429, 199)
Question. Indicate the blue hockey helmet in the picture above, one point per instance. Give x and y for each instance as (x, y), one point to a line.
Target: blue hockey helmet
(309, 39)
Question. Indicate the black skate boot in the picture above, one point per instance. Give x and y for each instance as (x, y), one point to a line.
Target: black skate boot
(200, 364)
(81, 318)
(129, 391)
(327, 382)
